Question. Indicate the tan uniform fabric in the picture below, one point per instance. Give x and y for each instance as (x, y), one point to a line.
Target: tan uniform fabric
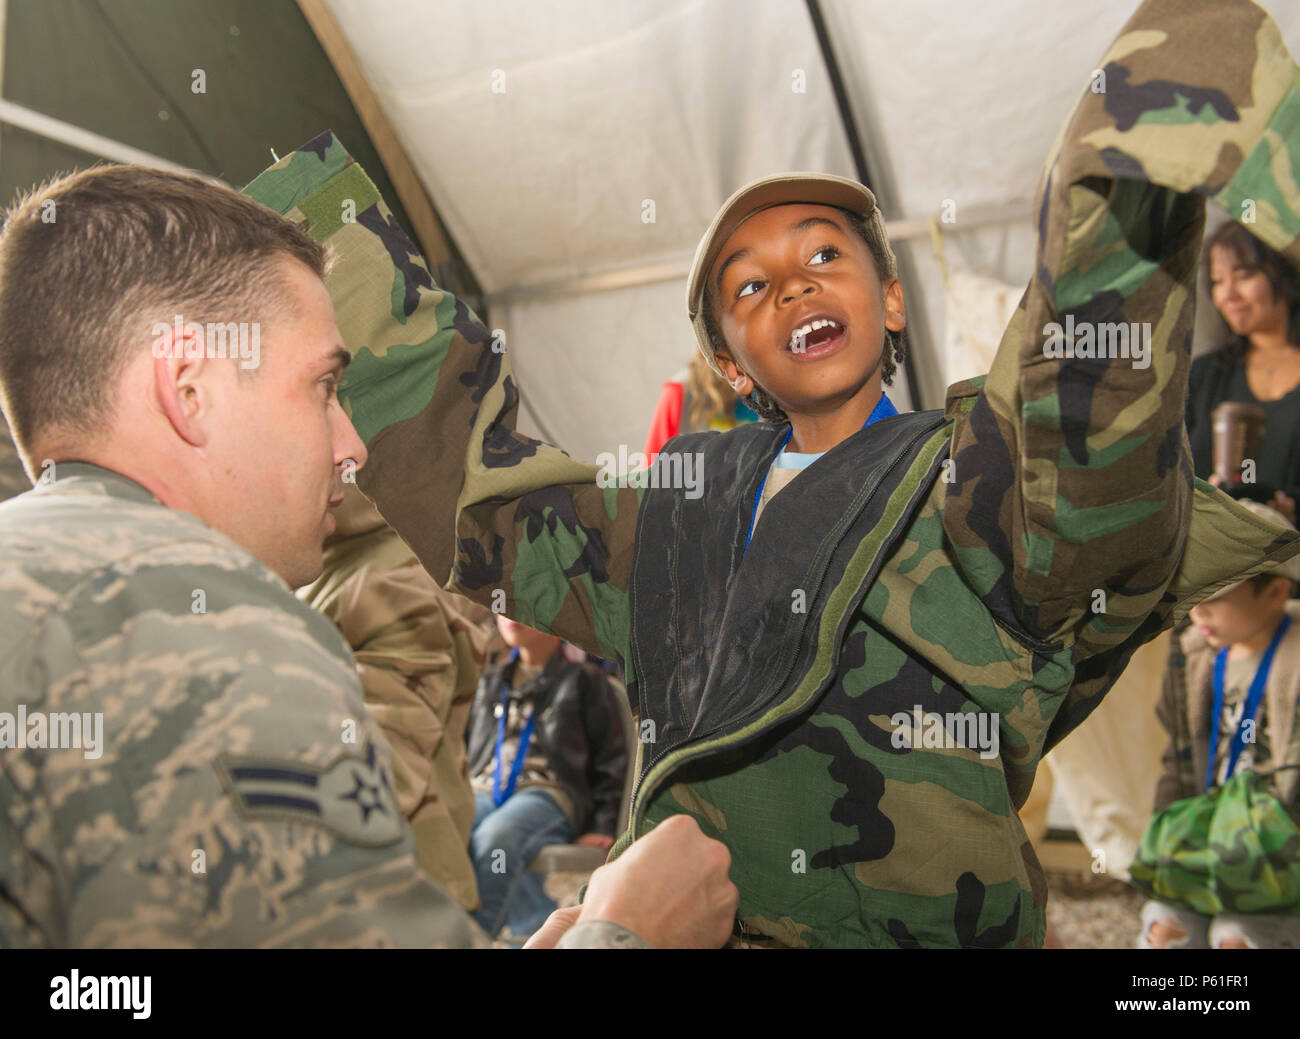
(420, 651)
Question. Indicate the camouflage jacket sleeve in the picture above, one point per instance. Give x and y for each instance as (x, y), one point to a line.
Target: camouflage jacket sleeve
(512, 523)
(1071, 490)
(600, 934)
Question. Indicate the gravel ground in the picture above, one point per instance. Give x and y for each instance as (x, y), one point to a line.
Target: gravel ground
(1083, 911)
(1087, 912)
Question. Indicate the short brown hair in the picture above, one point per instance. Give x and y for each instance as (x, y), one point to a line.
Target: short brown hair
(87, 257)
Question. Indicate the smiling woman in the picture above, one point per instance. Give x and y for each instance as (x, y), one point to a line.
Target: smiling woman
(1257, 292)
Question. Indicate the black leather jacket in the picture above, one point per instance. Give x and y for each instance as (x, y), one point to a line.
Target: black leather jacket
(577, 731)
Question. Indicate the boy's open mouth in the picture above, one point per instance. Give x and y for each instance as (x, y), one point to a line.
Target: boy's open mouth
(815, 337)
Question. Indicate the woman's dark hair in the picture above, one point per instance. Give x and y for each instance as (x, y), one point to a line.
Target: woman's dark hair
(1283, 278)
(895, 342)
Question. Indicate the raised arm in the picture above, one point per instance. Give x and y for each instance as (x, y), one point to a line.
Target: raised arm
(508, 521)
(1072, 490)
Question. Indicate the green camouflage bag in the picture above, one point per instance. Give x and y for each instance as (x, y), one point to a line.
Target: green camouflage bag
(1232, 850)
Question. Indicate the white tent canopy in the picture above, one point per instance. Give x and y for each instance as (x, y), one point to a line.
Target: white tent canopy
(549, 134)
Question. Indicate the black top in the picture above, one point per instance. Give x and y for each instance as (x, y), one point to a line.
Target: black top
(1217, 378)
(579, 733)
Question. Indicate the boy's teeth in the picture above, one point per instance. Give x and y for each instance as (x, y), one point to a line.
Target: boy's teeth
(804, 331)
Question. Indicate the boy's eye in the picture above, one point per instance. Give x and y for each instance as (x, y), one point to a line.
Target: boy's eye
(331, 384)
(829, 251)
(749, 288)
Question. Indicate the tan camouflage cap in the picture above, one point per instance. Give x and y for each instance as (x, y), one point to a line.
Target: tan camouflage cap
(817, 189)
(1290, 569)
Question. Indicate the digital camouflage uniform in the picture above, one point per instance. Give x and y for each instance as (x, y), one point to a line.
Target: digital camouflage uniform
(240, 796)
(228, 807)
(419, 653)
(1016, 582)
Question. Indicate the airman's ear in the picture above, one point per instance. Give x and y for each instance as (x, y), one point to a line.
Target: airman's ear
(178, 360)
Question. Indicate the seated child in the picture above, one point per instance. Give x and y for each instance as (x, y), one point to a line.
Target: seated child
(851, 681)
(1240, 623)
(548, 760)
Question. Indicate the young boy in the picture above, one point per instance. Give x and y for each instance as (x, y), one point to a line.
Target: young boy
(1241, 623)
(559, 715)
(854, 692)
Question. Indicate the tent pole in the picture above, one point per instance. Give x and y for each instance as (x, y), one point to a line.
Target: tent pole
(83, 140)
(678, 269)
(855, 149)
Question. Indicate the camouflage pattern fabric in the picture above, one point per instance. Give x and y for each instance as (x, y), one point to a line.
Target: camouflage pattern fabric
(1067, 531)
(1234, 850)
(419, 653)
(239, 794)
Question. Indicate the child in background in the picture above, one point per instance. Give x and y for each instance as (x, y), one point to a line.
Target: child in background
(1238, 624)
(695, 399)
(853, 689)
(547, 759)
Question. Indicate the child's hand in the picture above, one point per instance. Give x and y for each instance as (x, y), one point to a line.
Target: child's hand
(596, 840)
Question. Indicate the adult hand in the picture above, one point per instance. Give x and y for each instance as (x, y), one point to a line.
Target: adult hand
(596, 840)
(1215, 480)
(1286, 506)
(553, 930)
(670, 887)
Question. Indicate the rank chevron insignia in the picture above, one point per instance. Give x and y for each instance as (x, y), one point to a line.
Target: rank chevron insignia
(351, 797)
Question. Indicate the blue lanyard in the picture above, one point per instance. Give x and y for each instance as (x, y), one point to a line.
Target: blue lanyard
(1253, 696)
(498, 796)
(884, 409)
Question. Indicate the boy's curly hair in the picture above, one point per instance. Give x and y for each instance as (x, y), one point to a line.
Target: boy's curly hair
(895, 342)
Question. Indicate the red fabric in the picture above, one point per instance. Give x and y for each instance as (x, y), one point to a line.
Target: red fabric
(667, 421)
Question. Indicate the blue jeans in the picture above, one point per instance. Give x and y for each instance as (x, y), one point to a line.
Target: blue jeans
(503, 844)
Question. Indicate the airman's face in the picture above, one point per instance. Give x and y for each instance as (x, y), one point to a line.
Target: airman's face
(284, 441)
(801, 307)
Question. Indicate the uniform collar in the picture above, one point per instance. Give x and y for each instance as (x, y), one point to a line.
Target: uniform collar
(86, 475)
